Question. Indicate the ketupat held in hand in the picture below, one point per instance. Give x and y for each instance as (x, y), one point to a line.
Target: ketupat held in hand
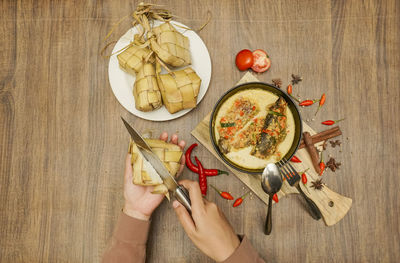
(144, 174)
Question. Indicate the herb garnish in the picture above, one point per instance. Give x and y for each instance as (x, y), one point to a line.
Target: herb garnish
(227, 124)
(276, 113)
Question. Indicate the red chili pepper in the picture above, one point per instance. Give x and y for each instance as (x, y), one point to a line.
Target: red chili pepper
(307, 102)
(239, 201)
(321, 102)
(321, 166)
(295, 159)
(275, 198)
(331, 122)
(202, 177)
(194, 168)
(224, 195)
(290, 89)
(304, 178)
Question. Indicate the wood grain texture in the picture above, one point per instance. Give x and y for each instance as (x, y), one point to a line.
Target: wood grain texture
(62, 144)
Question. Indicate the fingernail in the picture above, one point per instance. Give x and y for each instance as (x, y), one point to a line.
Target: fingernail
(175, 204)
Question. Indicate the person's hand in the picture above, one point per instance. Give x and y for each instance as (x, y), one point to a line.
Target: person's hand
(208, 228)
(139, 201)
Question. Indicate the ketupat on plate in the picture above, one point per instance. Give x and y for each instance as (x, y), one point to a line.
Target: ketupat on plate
(122, 82)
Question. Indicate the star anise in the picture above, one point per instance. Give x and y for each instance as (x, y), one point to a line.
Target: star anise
(296, 79)
(277, 82)
(332, 164)
(318, 185)
(335, 143)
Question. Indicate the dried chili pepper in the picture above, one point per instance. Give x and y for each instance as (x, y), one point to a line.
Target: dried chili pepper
(290, 89)
(239, 201)
(194, 168)
(321, 102)
(304, 178)
(202, 177)
(321, 165)
(295, 159)
(224, 195)
(307, 102)
(275, 198)
(331, 122)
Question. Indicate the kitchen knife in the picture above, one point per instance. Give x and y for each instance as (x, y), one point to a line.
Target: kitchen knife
(180, 192)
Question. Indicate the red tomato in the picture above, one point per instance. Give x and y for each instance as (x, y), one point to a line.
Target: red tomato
(244, 59)
(261, 61)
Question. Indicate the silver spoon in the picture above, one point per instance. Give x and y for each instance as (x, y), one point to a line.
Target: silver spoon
(271, 183)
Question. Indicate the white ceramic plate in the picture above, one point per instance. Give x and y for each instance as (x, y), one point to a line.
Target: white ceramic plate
(122, 82)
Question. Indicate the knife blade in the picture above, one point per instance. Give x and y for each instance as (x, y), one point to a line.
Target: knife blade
(178, 191)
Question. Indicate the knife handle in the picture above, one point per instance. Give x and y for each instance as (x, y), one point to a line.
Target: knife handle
(182, 195)
(314, 210)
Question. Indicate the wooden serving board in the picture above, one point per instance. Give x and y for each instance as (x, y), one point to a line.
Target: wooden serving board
(322, 198)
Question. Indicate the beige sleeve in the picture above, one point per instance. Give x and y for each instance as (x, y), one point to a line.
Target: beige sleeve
(128, 243)
(245, 252)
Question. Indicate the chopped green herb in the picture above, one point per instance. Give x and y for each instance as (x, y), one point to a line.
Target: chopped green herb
(227, 124)
(276, 113)
(280, 127)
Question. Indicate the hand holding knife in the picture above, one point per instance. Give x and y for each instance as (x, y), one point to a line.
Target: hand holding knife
(180, 193)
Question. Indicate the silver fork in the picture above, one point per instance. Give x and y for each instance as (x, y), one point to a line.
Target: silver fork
(293, 178)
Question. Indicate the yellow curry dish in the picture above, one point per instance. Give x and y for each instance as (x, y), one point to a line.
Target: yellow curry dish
(254, 127)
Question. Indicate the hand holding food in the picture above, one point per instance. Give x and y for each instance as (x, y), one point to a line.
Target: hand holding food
(141, 182)
(208, 228)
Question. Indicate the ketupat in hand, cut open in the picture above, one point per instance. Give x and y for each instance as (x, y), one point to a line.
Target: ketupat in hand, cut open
(144, 174)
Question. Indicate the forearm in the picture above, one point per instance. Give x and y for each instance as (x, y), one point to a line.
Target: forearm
(244, 253)
(128, 243)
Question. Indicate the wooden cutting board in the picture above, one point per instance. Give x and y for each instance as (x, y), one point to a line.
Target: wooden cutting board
(333, 206)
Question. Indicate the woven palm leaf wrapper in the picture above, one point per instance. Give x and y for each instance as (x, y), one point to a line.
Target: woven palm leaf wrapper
(144, 174)
(132, 58)
(145, 90)
(179, 89)
(170, 45)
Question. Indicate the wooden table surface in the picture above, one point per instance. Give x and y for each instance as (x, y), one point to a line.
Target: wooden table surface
(62, 143)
